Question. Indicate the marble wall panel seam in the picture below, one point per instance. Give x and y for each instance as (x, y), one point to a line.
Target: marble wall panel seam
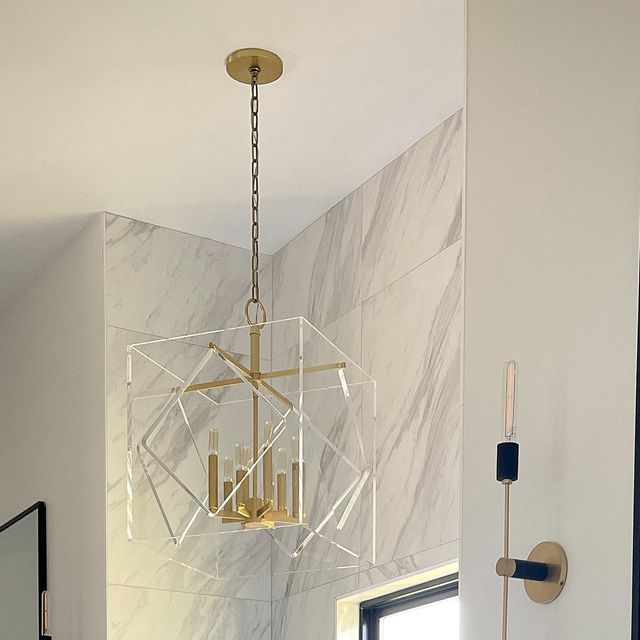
(406, 273)
(187, 593)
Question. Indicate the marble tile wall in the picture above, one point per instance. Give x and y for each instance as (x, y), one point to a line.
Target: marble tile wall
(136, 613)
(381, 273)
(312, 613)
(161, 283)
(167, 283)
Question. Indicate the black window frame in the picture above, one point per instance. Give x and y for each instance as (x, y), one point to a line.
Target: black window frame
(371, 611)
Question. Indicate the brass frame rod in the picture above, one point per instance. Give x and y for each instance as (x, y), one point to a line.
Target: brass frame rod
(214, 384)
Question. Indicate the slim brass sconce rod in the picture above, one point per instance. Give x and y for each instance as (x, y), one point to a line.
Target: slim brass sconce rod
(545, 570)
(505, 553)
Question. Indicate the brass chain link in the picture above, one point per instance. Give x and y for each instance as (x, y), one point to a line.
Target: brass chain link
(260, 310)
(255, 193)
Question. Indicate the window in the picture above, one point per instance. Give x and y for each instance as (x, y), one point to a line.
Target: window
(427, 611)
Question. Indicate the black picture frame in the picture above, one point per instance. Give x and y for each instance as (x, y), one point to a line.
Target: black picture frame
(372, 610)
(41, 510)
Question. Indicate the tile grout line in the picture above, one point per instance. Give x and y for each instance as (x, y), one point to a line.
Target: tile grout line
(379, 567)
(435, 255)
(186, 593)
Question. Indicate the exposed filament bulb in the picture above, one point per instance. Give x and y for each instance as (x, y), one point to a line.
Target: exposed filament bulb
(510, 381)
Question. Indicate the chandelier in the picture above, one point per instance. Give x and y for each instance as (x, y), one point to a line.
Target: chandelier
(266, 428)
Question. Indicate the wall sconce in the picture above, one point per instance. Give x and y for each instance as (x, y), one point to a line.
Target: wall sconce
(545, 570)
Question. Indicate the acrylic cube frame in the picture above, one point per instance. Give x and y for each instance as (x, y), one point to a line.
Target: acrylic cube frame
(331, 413)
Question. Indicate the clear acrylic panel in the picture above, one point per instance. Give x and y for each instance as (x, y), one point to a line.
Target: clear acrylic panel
(298, 498)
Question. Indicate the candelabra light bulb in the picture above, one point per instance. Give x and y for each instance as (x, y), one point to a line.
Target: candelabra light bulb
(228, 469)
(240, 461)
(295, 449)
(213, 440)
(282, 460)
(246, 456)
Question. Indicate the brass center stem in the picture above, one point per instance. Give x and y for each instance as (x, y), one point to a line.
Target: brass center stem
(254, 332)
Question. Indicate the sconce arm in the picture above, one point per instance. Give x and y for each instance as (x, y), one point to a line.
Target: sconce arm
(524, 569)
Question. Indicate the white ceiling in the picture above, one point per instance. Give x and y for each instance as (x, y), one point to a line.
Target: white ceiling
(125, 106)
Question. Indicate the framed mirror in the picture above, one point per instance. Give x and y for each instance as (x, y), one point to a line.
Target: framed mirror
(23, 576)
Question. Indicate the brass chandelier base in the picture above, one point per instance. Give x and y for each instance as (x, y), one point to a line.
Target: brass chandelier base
(258, 513)
(253, 511)
(241, 62)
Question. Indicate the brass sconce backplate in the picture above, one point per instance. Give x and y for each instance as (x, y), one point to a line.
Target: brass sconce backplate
(553, 555)
(241, 62)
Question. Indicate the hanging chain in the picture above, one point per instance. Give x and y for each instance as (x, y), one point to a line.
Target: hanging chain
(255, 194)
(255, 204)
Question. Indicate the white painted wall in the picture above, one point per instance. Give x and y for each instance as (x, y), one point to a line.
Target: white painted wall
(551, 280)
(53, 427)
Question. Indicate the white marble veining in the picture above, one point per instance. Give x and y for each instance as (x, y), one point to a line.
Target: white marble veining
(407, 274)
(318, 272)
(444, 553)
(167, 283)
(322, 563)
(415, 358)
(136, 613)
(311, 613)
(412, 209)
(160, 283)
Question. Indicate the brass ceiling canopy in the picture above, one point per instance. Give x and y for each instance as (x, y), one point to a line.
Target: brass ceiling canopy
(240, 64)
